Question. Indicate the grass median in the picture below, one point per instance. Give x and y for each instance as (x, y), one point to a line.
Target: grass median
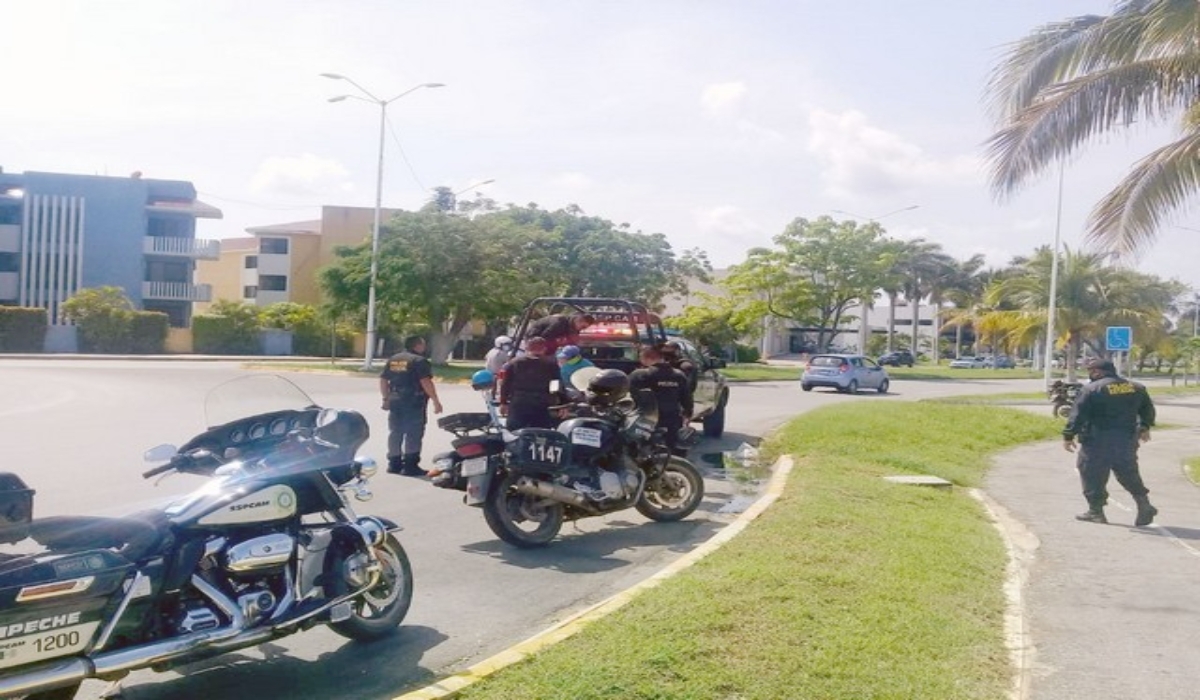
(847, 587)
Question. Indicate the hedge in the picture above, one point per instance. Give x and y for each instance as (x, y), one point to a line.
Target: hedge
(223, 335)
(22, 329)
(148, 332)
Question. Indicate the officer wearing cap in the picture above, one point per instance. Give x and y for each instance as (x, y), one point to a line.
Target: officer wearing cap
(406, 385)
(670, 387)
(1111, 416)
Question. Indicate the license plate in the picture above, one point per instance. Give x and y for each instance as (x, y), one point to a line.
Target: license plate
(586, 436)
(474, 466)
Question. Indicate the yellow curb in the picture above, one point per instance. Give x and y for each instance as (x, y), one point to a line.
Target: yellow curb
(447, 687)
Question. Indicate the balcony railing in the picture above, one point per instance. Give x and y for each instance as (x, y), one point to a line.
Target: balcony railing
(196, 248)
(176, 291)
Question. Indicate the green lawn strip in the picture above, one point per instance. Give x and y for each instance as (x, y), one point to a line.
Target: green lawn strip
(847, 587)
(1191, 467)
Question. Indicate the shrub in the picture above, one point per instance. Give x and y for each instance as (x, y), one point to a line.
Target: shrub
(148, 332)
(747, 353)
(22, 329)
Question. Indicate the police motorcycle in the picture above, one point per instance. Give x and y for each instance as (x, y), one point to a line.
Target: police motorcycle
(607, 455)
(268, 546)
(1063, 396)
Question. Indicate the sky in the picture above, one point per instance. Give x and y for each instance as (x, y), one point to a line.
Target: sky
(713, 122)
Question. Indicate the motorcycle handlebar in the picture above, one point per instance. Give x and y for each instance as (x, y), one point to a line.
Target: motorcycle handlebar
(180, 462)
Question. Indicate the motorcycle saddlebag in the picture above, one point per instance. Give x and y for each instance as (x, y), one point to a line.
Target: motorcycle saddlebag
(539, 451)
(16, 508)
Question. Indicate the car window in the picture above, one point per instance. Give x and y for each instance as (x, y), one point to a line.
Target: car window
(857, 362)
(826, 361)
(869, 363)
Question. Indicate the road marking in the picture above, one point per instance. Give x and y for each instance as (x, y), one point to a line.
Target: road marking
(1161, 528)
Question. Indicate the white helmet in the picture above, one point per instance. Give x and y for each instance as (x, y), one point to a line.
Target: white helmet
(503, 342)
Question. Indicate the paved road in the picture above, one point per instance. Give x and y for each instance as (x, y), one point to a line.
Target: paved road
(75, 430)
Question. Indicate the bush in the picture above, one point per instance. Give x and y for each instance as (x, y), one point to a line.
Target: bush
(747, 353)
(224, 335)
(22, 329)
(148, 332)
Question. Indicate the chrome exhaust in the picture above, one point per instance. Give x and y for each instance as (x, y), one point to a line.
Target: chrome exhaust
(554, 492)
(47, 676)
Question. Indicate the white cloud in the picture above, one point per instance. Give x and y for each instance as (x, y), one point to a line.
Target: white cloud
(305, 176)
(861, 159)
(573, 181)
(728, 233)
(723, 100)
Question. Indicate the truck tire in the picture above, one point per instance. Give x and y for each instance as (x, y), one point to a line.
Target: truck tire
(714, 423)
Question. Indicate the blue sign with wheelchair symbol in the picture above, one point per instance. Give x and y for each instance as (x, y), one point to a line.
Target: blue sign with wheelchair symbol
(1118, 338)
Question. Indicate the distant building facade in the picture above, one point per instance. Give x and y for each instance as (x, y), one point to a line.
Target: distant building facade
(279, 262)
(60, 233)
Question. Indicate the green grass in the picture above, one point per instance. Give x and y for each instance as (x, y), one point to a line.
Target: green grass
(848, 587)
(1191, 467)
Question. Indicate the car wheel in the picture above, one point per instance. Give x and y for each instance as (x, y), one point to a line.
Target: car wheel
(883, 386)
(806, 387)
(714, 423)
(852, 387)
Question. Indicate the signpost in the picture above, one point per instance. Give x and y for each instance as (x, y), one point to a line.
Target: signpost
(1119, 339)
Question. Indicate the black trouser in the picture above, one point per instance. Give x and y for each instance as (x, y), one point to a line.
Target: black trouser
(1098, 457)
(671, 424)
(522, 414)
(406, 428)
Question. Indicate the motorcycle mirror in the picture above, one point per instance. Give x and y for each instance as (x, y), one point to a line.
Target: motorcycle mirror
(160, 453)
(326, 417)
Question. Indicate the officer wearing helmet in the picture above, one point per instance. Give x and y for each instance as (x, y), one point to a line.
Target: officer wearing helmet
(670, 388)
(672, 352)
(498, 355)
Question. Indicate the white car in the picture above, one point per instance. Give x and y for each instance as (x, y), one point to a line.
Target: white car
(969, 363)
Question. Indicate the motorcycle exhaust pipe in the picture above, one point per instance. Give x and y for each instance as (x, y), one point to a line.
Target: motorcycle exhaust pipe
(554, 492)
(47, 676)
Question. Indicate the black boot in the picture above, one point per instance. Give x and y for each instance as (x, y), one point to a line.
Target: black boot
(1145, 512)
(395, 465)
(412, 465)
(1094, 514)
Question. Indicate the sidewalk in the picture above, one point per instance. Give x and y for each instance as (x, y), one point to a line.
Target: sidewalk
(1110, 611)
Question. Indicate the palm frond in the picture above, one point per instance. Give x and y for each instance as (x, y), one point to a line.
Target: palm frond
(1127, 219)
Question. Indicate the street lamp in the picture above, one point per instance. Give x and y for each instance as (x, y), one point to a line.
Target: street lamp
(1052, 311)
(368, 97)
(876, 218)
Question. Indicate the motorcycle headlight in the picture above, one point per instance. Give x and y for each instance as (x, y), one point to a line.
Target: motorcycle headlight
(367, 466)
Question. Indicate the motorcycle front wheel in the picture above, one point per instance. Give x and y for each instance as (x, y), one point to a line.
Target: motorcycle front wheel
(674, 494)
(1062, 410)
(380, 610)
(520, 519)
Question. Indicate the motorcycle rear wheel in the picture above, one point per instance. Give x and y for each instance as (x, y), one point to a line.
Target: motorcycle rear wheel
(380, 610)
(1062, 410)
(520, 519)
(675, 494)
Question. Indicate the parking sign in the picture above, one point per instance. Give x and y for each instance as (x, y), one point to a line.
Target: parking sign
(1118, 338)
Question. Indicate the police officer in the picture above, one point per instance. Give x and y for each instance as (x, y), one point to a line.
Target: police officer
(1110, 417)
(406, 384)
(525, 395)
(560, 329)
(673, 353)
(670, 387)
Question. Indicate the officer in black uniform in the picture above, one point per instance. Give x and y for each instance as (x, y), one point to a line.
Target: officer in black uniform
(406, 384)
(670, 387)
(1111, 416)
(673, 353)
(559, 330)
(525, 395)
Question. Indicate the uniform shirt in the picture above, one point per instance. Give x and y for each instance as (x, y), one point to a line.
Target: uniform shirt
(1110, 407)
(557, 329)
(669, 386)
(403, 373)
(571, 367)
(527, 381)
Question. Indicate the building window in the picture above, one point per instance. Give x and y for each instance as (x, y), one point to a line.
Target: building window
(272, 283)
(273, 246)
(10, 262)
(249, 292)
(173, 227)
(251, 262)
(159, 271)
(10, 215)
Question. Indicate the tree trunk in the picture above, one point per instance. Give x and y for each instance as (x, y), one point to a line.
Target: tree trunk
(958, 340)
(916, 327)
(891, 328)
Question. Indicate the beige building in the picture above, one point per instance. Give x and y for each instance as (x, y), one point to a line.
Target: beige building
(279, 262)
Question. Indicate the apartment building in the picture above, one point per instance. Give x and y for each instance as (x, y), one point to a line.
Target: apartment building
(279, 262)
(60, 233)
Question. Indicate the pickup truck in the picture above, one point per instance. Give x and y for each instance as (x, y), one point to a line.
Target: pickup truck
(621, 329)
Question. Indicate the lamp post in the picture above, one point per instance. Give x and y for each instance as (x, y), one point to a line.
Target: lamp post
(368, 97)
(1053, 303)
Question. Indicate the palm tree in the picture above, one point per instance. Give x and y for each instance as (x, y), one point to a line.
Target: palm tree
(924, 267)
(1091, 295)
(1073, 80)
(965, 291)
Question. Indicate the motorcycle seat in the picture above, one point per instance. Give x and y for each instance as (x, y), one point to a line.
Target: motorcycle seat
(132, 537)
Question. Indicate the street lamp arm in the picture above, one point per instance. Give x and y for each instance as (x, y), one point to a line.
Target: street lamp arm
(363, 90)
(876, 218)
(414, 89)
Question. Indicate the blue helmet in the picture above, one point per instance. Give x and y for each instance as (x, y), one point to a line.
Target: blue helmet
(483, 379)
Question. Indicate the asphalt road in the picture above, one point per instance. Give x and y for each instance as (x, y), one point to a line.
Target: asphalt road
(75, 430)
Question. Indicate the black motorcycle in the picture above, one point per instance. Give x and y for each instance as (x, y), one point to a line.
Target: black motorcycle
(607, 455)
(1062, 397)
(268, 546)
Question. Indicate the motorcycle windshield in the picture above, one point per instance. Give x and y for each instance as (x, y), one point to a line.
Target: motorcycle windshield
(253, 395)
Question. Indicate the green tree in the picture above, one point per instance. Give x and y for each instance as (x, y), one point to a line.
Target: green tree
(817, 271)
(1070, 81)
(715, 322)
(103, 315)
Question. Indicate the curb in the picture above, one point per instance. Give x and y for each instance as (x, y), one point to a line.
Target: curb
(449, 686)
(1021, 544)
